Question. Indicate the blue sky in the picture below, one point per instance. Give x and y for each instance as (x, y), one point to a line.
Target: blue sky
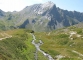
(17, 5)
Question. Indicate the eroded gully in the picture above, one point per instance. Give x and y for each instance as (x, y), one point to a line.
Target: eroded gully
(37, 45)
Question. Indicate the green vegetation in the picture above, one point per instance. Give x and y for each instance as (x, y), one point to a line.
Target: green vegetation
(41, 56)
(59, 42)
(69, 58)
(19, 47)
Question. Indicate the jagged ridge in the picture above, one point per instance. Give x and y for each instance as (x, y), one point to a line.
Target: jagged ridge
(47, 16)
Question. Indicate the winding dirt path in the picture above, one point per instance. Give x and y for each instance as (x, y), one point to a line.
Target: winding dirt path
(5, 35)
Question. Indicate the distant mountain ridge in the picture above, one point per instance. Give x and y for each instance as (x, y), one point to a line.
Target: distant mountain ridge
(40, 17)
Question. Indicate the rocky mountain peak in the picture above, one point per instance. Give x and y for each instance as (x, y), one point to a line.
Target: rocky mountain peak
(48, 4)
(1, 10)
(43, 8)
(1, 13)
(46, 15)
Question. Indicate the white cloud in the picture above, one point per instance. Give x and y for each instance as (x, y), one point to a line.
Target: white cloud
(11, 5)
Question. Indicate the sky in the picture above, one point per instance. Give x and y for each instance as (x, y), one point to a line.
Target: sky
(17, 5)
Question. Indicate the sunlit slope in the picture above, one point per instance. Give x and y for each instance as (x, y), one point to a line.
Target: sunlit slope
(18, 47)
(63, 44)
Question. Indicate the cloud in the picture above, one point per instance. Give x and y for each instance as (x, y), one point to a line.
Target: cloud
(11, 5)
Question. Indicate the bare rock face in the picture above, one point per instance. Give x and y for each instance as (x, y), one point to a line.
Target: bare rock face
(1, 13)
(41, 17)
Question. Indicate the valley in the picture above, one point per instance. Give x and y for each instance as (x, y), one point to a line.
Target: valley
(37, 45)
(41, 32)
(60, 44)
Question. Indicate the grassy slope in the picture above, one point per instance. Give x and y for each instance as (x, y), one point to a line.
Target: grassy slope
(59, 43)
(19, 47)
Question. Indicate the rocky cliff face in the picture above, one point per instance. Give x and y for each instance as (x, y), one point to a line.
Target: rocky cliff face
(1, 13)
(43, 17)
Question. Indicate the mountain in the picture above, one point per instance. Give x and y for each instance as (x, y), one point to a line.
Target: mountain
(40, 17)
(60, 44)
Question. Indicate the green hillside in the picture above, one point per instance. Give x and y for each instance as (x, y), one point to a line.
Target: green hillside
(41, 32)
(66, 43)
(62, 44)
(19, 46)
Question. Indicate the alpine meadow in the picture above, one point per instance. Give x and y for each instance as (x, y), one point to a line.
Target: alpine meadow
(41, 32)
